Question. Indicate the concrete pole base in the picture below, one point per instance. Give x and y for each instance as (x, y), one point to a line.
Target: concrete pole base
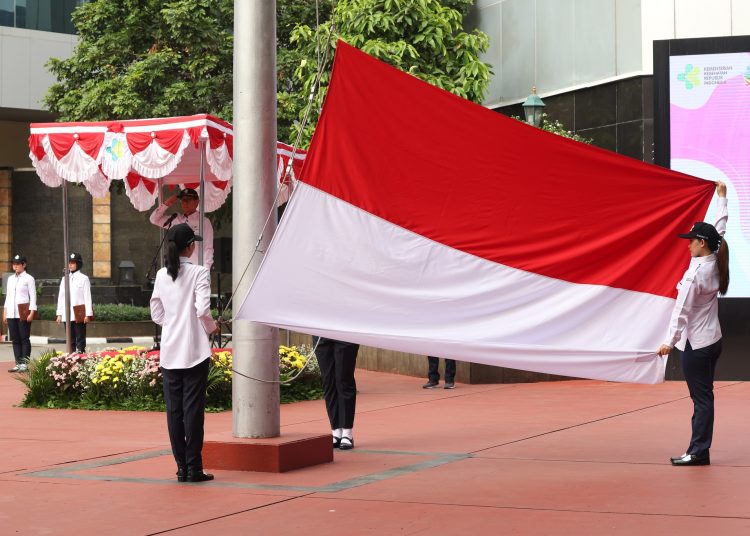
(272, 455)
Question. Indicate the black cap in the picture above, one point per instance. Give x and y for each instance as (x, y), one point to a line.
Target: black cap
(182, 235)
(75, 257)
(704, 231)
(18, 259)
(187, 192)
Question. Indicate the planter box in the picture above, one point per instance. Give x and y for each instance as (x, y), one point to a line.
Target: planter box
(50, 328)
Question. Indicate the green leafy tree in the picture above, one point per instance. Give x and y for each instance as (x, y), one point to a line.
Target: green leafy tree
(161, 58)
(146, 58)
(422, 37)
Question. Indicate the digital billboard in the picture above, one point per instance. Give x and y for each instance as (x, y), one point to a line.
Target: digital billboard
(709, 137)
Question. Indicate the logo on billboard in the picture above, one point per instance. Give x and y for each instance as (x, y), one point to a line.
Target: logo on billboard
(746, 74)
(691, 76)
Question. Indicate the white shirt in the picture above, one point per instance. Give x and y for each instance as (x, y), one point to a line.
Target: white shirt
(21, 289)
(80, 294)
(159, 217)
(695, 316)
(183, 308)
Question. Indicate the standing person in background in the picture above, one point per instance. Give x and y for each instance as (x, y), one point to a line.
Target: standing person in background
(337, 360)
(180, 303)
(433, 376)
(694, 327)
(81, 308)
(189, 203)
(19, 311)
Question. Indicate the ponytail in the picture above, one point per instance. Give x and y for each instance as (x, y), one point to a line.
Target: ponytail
(172, 259)
(722, 263)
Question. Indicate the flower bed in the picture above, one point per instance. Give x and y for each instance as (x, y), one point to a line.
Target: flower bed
(130, 378)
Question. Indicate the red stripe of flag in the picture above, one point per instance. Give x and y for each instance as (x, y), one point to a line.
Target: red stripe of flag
(494, 187)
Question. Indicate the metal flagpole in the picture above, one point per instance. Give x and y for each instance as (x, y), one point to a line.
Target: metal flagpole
(255, 404)
(66, 272)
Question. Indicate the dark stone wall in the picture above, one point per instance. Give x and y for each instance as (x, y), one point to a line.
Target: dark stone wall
(36, 217)
(618, 116)
(134, 238)
(37, 232)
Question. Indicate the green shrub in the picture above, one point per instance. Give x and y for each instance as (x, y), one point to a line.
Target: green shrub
(40, 386)
(130, 379)
(114, 312)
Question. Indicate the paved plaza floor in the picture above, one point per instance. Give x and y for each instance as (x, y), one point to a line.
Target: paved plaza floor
(573, 457)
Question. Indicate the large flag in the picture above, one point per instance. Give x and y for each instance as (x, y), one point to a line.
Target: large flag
(428, 224)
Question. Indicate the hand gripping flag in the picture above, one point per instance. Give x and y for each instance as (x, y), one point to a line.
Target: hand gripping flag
(428, 224)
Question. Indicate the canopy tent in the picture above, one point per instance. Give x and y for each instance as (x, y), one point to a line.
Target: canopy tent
(145, 153)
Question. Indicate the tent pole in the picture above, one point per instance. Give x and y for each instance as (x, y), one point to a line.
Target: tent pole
(160, 201)
(255, 393)
(201, 202)
(66, 271)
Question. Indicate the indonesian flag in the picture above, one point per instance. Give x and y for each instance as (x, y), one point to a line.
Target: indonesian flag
(427, 224)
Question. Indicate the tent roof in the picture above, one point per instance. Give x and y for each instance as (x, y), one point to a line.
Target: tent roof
(143, 153)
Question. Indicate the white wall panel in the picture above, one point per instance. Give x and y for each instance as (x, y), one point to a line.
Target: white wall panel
(42, 48)
(701, 18)
(740, 17)
(594, 39)
(24, 80)
(518, 48)
(14, 92)
(657, 22)
(628, 36)
(555, 51)
(492, 20)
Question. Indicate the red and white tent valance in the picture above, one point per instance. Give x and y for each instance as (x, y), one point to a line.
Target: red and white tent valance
(143, 153)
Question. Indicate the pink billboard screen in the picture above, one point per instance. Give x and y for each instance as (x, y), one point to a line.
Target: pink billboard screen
(710, 138)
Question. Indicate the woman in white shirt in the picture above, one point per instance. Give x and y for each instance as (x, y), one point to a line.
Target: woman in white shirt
(19, 311)
(180, 303)
(694, 327)
(81, 306)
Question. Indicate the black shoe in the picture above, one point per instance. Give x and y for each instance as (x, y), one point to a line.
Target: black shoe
(198, 476)
(181, 474)
(347, 443)
(336, 442)
(449, 385)
(430, 385)
(691, 459)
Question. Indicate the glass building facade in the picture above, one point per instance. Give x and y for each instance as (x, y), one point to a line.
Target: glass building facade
(44, 15)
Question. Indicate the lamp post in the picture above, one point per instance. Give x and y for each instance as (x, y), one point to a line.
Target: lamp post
(533, 107)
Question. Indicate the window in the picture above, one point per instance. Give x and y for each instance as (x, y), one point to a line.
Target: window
(44, 15)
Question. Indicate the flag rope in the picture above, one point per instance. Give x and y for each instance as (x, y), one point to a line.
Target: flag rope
(310, 99)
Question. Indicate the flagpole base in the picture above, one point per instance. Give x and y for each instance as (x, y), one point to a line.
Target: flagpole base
(268, 455)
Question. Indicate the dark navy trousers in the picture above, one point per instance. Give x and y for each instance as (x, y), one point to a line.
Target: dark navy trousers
(337, 360)
(432, 371)
(699, 366)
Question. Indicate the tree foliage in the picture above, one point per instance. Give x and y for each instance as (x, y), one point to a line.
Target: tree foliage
(146, 58)
(422, 37)
(555, 126)
(162, 58)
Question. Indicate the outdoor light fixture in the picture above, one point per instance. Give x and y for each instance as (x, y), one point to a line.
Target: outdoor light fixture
(532, 108)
